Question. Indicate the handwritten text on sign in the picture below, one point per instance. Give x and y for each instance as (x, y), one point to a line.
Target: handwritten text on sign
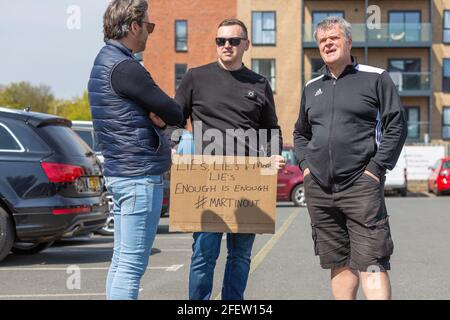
(222, 194)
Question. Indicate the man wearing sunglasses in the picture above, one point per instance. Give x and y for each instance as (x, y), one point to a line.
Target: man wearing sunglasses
(226, 95)
(129, 111)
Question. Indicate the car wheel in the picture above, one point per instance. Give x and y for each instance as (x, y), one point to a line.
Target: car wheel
(404, 192)
(298, 196)
(7, 233)
(108, 228)
(436, 190)
(30, 247)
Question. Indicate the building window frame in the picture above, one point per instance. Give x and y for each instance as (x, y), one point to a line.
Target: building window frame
(446, 29)
(272, 78)
(445, 125)
(445, 78)
(405, 11)
(179, 41)
(274, 30)
(327, 12)
(417, 123)
(178, 77)
(409, 79)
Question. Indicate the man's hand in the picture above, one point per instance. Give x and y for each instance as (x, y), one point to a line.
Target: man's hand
(278, 162)
(370, 174)
(306, 172)
(157, 121)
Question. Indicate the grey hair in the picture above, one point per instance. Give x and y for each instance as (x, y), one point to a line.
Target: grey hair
(329, 22)
(120, 14)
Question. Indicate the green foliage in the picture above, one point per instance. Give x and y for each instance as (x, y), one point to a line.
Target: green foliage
(40, 99)
(23, 94)
(76, 109)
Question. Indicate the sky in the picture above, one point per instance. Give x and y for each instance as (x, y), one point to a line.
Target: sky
(52, 42)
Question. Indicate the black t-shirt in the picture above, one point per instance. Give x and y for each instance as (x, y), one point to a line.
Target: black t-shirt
(222, 99)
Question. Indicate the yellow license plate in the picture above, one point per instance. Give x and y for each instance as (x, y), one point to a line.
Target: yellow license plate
(94, 183)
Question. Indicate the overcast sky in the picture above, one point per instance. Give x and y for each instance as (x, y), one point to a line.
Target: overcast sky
(40, 42)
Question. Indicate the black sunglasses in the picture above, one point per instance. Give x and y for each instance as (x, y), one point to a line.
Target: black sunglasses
(150, 26)
(232, 41)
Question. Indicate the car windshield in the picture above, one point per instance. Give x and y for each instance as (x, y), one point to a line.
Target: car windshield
(446, 165)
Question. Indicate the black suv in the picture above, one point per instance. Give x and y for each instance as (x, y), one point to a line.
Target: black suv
(51, 185)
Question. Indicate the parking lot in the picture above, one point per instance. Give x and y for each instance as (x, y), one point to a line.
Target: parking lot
(283, 267)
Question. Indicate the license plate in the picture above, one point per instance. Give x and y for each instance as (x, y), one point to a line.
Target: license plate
(94, 183)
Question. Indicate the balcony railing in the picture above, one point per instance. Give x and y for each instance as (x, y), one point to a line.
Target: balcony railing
(412, 83)
(388, 35)
(407, 83)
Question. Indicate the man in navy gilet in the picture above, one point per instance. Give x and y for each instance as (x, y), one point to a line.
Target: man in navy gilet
(129, 112)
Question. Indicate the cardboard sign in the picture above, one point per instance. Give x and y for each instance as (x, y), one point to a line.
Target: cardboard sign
(222, 194)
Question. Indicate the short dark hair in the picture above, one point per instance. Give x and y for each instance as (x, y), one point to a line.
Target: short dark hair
(235, 22)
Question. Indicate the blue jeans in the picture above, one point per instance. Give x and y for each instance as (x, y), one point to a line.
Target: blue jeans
(137, 209)
(206, 249)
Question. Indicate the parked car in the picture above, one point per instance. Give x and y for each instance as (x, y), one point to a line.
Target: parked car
(86, 131)
(397, 178)
(290, 180)
(439, 179)
(51, 184)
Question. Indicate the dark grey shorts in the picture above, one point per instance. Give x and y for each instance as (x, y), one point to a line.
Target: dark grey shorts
(350, 227)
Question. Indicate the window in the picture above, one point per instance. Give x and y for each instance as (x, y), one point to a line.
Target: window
(316, 65)
(318, 16)
(181, 37)
(446, 76)
(289, 157)
(446, 123)
(413, 118)
(404, 25)
(180, 70)
(446, 36)
(7, 141)
(87, 137)
(266, 68)
(264, 28)
(405, 73)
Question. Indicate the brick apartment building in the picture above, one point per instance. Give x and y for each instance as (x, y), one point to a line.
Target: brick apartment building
(413, 44)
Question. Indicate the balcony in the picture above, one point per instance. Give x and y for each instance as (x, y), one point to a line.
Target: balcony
(392, 35)
(412, 84)
(409, 84)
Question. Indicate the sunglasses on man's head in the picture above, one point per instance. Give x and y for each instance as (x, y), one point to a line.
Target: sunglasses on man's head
(232, 41)
(150, 26)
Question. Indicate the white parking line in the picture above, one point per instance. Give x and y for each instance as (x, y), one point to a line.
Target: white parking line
(172, 268)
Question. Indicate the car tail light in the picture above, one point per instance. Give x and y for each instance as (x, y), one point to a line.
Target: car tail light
(60, 172)
(444, 173)
(71, 210)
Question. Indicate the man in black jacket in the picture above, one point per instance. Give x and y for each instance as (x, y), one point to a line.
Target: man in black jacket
(222, 97)
(351, 128)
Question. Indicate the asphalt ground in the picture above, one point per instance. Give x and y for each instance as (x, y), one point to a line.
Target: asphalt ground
(283, 264)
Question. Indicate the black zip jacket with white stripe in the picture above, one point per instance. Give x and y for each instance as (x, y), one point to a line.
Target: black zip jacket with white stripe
(350, 124)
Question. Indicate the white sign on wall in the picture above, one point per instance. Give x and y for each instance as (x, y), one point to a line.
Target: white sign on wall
(420, 158)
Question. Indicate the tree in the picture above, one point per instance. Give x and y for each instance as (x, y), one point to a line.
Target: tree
(23, 94)
(77, 109)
